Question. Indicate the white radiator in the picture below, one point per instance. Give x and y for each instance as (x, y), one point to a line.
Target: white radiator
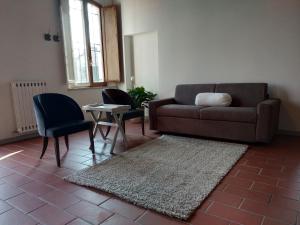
(23, 92)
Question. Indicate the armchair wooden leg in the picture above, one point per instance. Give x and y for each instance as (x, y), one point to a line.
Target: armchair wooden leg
(56, 145)
(124, 126)
(109, 119)
(92, 145)
(143, 125)
(67, 141)
(45, 145)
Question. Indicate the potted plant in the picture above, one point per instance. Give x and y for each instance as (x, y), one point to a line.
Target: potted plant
(140, 95)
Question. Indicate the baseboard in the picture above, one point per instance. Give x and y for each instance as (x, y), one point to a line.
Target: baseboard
(35, 134)
(18, 138)
(287, 132)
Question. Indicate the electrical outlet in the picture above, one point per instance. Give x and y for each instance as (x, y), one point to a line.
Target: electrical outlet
(56, 38)
(47, 37)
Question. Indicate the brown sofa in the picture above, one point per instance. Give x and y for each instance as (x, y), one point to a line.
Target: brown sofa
(251, 117)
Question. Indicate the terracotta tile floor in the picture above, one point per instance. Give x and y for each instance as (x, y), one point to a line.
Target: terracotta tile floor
(262, 189)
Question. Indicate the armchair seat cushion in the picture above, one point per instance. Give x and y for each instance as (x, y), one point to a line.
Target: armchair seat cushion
(177, 110)
(133, 114)
(233, 114)
(69, 128)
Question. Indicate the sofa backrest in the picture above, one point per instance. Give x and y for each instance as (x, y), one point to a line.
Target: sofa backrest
(244, 94)
(186, 93)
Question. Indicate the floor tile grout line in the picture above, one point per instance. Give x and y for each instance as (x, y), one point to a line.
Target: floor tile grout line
(263, 220)
(264, 216)
(34, 158)
(245, 210)
(56, 206)
(209, 206)
(104, 201)
(140, 216)
(45, 203)
(260, 171)
(225, 219)
(250, 186)
(29, 165)
(108, 218)
(71, 221)
(7, 209)
(242, 202)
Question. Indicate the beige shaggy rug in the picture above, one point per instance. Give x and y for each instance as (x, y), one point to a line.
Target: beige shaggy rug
(171, 175)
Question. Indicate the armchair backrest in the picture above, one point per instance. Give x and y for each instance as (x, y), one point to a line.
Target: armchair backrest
(116, 96)
(53, 109)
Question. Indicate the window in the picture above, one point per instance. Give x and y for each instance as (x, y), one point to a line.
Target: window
(90, 43)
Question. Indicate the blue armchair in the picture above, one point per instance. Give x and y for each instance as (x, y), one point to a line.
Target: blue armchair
(58, 115)
(116, 96)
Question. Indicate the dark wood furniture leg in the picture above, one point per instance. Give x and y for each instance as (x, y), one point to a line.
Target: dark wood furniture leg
(67, 141)
(92, 145)
(56, 145)
(45, 145)
(124, 126)
(143, 125)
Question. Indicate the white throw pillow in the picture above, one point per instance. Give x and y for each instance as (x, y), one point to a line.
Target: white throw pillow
(213, 99)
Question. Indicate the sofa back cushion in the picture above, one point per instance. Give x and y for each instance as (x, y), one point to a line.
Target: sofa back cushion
(186, 93)
(244, 94)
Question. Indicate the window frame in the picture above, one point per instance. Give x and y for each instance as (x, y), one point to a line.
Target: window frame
(91, 83)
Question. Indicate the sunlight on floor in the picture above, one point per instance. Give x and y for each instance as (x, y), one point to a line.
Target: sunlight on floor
(10, 154)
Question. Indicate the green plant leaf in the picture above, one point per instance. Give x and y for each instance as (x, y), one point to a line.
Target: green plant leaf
(140, 95)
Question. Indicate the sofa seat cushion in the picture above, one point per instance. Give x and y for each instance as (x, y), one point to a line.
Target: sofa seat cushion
(176, 110)
(234, 114)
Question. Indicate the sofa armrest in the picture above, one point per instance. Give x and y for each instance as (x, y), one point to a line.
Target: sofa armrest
(267, 119)
(153, 105)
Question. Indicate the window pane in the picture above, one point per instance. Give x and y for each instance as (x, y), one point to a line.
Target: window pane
(79, 51)
(95, 42)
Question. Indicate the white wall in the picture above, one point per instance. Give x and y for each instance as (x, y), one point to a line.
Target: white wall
(24, 55)
(199, 41)
(203, 41)
(145, 61)
(128, 63)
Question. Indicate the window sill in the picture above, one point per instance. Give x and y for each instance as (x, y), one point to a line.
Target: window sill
(96, 86)
(83, 88)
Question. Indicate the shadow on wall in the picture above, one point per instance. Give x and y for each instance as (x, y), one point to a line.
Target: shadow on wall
(289, 111)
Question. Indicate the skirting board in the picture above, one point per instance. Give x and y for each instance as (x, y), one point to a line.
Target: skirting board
(290, 133)
(33, 135)
(18, 138)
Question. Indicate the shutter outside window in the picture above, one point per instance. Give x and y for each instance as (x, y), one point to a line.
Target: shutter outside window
(110, 44)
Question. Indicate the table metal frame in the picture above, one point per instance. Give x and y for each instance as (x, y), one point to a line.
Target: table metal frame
(96, 115)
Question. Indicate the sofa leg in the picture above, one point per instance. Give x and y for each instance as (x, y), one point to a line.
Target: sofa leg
(56, 145)
(143, 125)
(45, 145)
